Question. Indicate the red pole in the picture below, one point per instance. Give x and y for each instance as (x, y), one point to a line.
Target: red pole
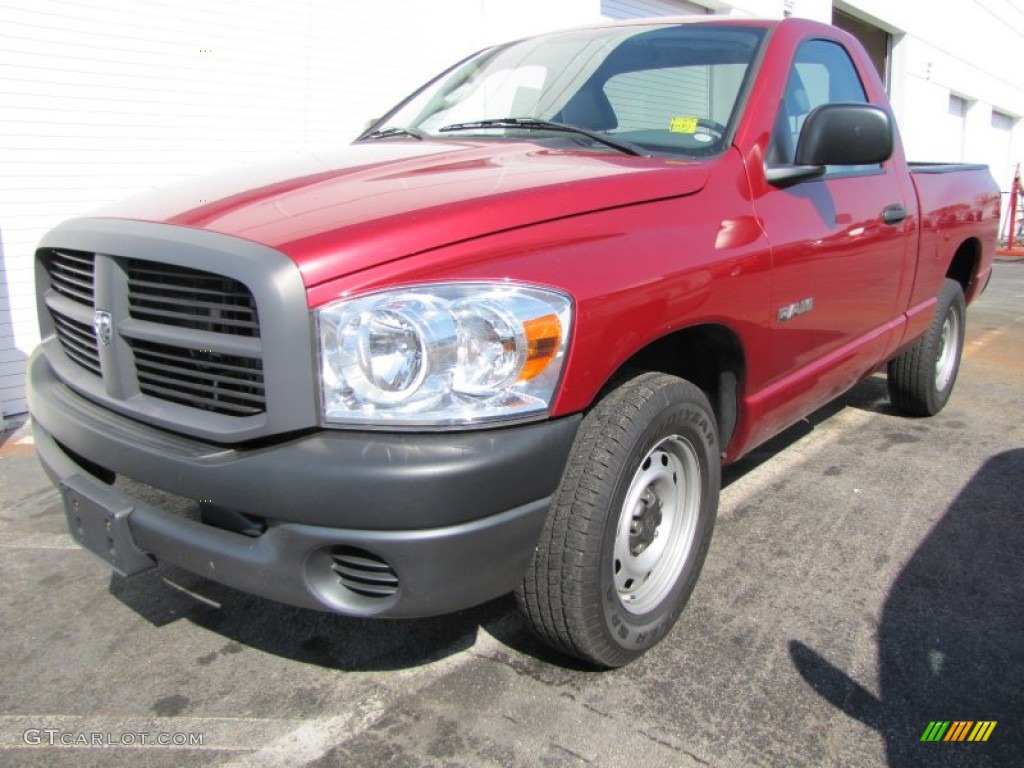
(1013, 208)
(1012, 247)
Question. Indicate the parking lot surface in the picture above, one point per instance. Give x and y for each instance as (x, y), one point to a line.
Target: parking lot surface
(866, 578)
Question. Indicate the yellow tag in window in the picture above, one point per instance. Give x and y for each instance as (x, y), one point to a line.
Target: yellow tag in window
(683, 125)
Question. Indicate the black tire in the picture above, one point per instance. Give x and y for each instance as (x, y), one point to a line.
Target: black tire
(921, 379)
(630, 525)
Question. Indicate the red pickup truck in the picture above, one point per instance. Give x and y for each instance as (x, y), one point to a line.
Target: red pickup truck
(507, 338)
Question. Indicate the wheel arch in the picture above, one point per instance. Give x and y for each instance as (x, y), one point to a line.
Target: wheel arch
(964, 266)
(711, 356)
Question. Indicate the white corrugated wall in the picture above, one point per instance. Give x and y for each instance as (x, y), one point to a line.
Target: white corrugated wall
(103, 98)
(636, 9)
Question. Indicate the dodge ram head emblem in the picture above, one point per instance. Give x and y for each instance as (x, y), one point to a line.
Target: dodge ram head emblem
(103, 326)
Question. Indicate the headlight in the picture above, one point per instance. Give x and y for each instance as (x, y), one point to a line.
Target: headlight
(442, 355)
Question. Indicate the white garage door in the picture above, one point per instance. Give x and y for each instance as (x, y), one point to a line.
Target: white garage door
(638, 9)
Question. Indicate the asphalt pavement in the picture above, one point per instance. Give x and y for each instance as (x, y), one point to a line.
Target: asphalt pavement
(865, 580)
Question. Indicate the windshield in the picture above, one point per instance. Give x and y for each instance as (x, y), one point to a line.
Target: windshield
(665, 88)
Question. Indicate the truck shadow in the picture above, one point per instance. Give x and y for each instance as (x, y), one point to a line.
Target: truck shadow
(951, 637)
(168, 594)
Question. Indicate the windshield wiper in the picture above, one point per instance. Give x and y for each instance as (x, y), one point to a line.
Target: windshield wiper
(535, 124)
(387, 133)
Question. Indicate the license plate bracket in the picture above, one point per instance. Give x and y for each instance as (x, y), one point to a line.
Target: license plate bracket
(98, 520)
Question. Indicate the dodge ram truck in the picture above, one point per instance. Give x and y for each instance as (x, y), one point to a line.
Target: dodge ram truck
(506, 339)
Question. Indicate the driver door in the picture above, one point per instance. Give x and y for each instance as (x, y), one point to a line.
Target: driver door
(838, 260)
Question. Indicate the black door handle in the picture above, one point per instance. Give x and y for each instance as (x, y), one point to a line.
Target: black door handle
(894, 214)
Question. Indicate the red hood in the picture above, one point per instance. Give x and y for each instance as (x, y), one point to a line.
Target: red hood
(368, 204)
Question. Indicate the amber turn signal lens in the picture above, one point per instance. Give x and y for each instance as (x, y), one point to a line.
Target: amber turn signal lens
(543, 340)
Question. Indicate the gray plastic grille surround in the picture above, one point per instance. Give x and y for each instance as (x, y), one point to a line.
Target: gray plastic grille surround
(285, 343)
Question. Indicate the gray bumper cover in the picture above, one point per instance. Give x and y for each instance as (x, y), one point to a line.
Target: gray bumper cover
(456, 515)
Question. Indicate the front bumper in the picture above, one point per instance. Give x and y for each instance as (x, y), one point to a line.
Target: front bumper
(449, 519)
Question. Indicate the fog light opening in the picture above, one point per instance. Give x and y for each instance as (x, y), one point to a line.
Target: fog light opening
(364, 573)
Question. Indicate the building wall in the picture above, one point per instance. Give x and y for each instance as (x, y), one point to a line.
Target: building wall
(819, 10)
(105, 99)
(970, 52)
(638, 9)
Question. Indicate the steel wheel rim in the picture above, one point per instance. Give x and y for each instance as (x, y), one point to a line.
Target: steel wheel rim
(657, 525)
(947, 351)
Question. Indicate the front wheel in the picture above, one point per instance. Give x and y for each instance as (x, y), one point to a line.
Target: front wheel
(630, 525)
(921, 379)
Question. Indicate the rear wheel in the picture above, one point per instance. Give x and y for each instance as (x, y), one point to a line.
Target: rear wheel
(630, 525)
(921, 379)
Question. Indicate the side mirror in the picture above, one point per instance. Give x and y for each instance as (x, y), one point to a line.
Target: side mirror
(845, 134)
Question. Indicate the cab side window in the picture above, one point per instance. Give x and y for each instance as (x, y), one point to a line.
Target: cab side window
(822, 73)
